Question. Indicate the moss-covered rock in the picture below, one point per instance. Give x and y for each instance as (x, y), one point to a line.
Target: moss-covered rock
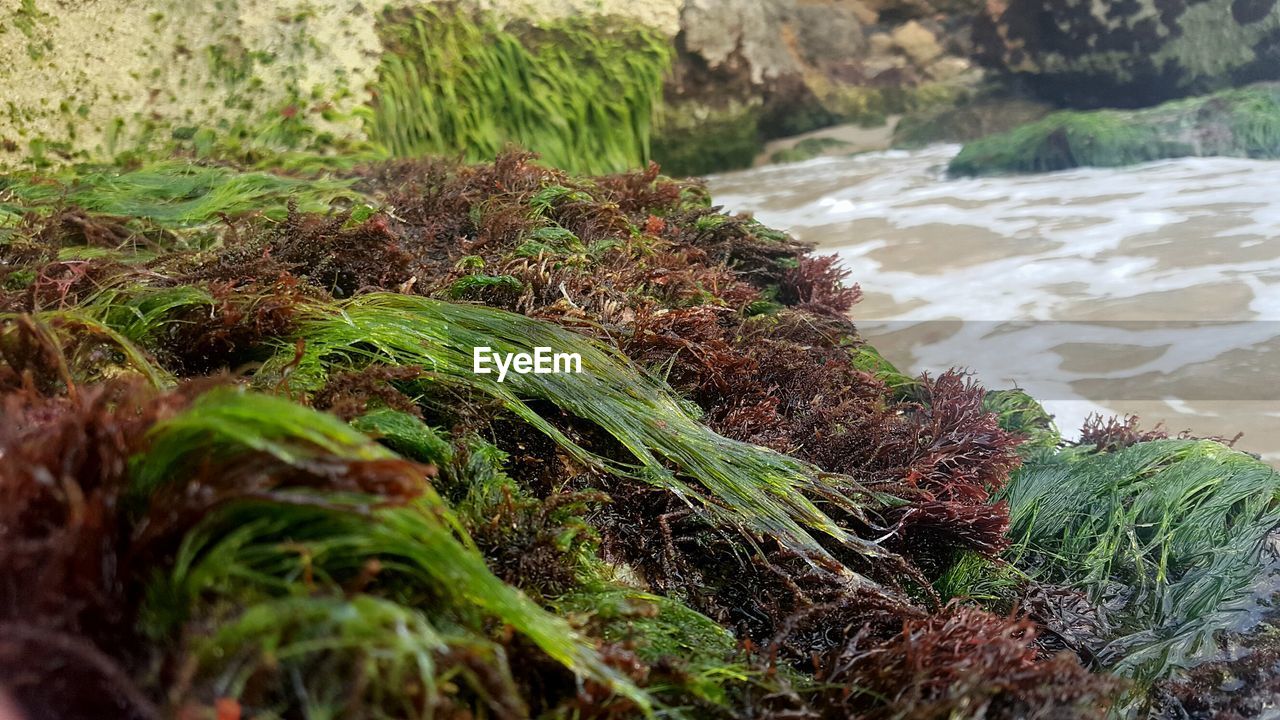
(965, 121)
(808, 149)
(696, 141)
(1084, 53)
(1243, 122)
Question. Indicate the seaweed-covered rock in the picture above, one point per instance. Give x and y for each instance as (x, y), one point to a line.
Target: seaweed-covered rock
(966, 120)
(250, 469)
(1130, 53)
(810, 148)
(1243, 122)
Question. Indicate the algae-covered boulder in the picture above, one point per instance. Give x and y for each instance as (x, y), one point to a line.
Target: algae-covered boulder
(810, 148)
(1243, 122)
(1130, 53)
(966, 120)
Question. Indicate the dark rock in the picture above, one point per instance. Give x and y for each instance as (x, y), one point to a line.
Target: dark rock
(1136, 53)
(966, 121)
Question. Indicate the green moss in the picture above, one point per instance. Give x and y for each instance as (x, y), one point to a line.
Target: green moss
(580, 91)
(1236, 123)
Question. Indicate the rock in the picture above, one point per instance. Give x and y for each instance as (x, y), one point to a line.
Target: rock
(949, 68)
(1241, 122)
(966, 121)
(810, 148)
(880, 44)
(86, 81)
(865, 14)
(917, 42)
(828, 34)
(696, 140)
(744, 32)
(800, 65)
(1130, 53)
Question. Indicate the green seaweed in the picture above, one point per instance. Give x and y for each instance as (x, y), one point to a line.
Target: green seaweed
(1170, 531)
(750, 487)
(1019, 412)
(579, 93)
(281, 541)
(808, 149)
(176, 194)
(84, 348)
(406, 435)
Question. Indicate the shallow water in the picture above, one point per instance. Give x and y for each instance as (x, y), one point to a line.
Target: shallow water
(1152, 290)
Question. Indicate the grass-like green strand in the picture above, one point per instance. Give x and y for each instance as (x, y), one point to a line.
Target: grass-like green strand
(748, 486)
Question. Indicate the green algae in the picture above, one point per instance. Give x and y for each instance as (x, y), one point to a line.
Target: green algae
(503, 564)
(1020, 413)
(808, 149)
(578, 91)
(966, 120)
(1242, 122)
(80, 346)
(174, 194)
(689, 140)
(421, 542)
(750, 487)
(1170, 533)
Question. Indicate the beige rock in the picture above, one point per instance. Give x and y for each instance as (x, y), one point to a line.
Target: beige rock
(917, 42)
(881, 44)
(719, 29)
(949, 68)
(865, 14)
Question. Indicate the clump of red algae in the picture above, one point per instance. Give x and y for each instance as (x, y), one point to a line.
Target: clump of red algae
(1111, 433)
(961, 661)
(66, 590)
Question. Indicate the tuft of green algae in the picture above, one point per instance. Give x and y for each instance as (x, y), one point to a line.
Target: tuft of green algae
(578, 91)
(1169, 535)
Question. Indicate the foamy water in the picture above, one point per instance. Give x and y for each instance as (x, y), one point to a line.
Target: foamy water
(1152, 290)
